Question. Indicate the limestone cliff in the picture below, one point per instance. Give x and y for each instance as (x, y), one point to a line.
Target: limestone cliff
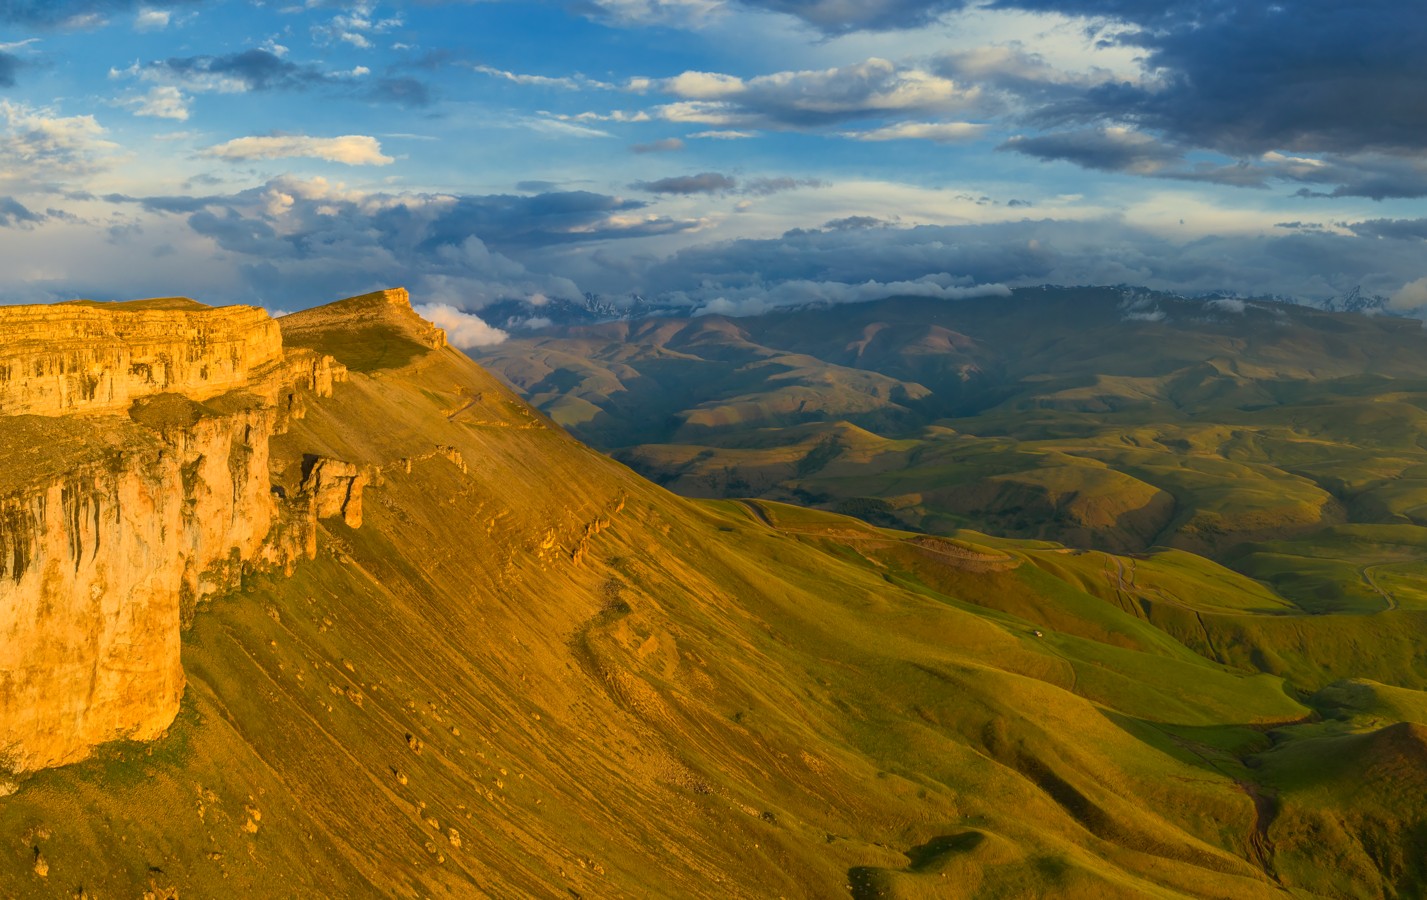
(78, 357)
(134, 482)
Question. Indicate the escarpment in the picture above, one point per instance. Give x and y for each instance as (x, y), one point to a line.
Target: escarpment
(136, 481)
(81, 357)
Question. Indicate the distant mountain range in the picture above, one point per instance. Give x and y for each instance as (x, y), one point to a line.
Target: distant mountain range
(523, 316)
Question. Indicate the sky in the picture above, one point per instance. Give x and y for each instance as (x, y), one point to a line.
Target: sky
(725, 155)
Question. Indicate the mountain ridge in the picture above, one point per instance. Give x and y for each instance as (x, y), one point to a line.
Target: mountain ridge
(530, 672)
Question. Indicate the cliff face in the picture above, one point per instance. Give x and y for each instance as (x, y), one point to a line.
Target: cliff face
(116, 523)
(73, 357)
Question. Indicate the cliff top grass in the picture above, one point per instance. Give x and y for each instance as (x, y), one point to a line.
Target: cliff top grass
(179, 304)
(366, 333)
(36, 451)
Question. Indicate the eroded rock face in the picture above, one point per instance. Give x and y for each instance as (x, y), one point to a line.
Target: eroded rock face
(57, 360)
(125, 501)
(99, 569)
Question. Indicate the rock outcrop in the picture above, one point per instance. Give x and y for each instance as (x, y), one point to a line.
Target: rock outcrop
(335, 488)
(135, 482)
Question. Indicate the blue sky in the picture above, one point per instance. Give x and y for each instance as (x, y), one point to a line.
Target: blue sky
(726, 155)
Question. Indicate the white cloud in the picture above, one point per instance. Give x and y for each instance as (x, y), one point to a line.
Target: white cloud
(704, 85)
(37, 145)
(1228, 305)
(686, 13)
(802, 99)
(1412, 295)
(941, 132)
(349, 149)
(574, 82)
(162, 102)
(462, 328)
(724, 135)
(567, 129)
(152, 19)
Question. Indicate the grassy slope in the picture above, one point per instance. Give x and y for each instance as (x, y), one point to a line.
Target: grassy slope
(719, 700)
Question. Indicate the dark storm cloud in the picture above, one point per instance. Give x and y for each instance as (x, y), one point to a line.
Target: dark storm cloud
(163, 204)
(703, 183)
(1134, 153)
(1377, 176)
(1245, 78)
(260, 70)
(766, 187)
(293, 240)
(254, 70)
(839, 16)
(14, 214)
(853, 222)
(718, 183)
(1396, 229)
(418, 229)
(1100, 149)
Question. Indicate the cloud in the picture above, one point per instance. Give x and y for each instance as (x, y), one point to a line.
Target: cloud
(293, 239)
(664, 145)
(940, 132)
(758, 300)
(14, 214)
(463, 329)
(564, 129)
(249, 70)
(575, 82)
(1106, 251)
(163, 102)
(1119, 149)
(73, 13)
(1393, 229)
(850, 222)
(1316, 78)
(150, 19)
(1410, 296)
(686, 13)
(718, 183)
(264, 70)
(354, 27)
(841, 16)
(39, 147)
(807, 99)
(703, 183)
(765, 187)
(349, 149)
(1107, 149)
(724, 135)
